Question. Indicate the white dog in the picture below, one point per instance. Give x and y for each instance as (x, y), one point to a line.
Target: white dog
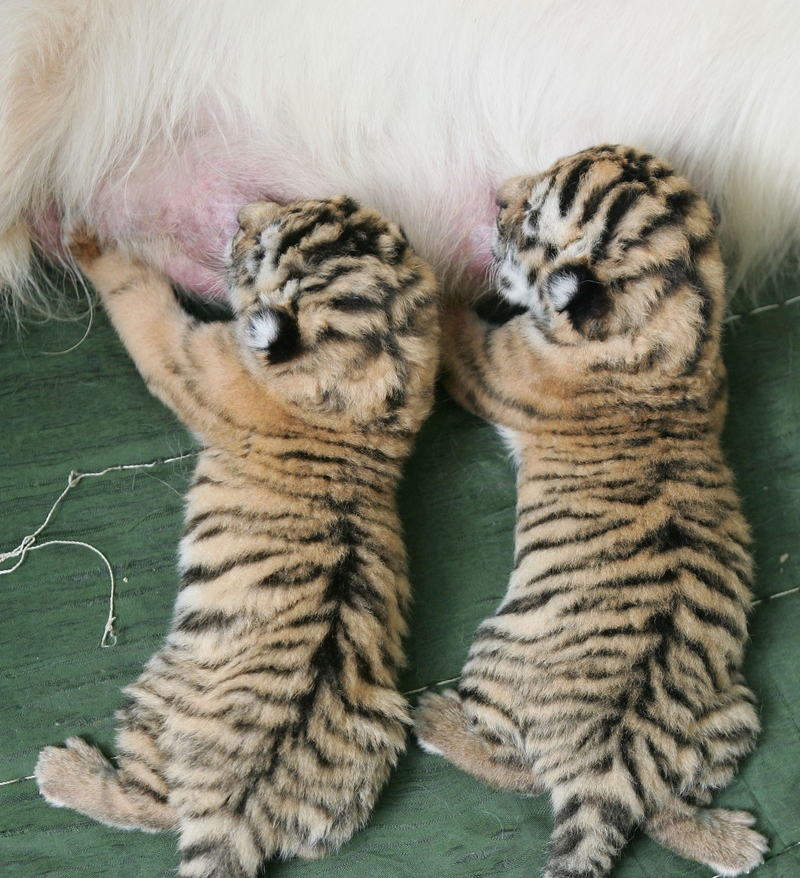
(156, 120)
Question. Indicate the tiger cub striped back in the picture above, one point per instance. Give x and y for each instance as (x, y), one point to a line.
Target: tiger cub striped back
(269, 721)
(610, 674)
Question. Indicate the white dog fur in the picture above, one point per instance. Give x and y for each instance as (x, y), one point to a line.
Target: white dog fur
(156, 120)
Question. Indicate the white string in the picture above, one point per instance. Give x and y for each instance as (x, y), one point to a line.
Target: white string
(793, 301)
(29, 544)
(780, 594)
(431, 686)
(5, 783)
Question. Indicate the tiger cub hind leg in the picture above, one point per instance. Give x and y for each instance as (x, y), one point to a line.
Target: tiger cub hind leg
(78, 776)
(442, 728)
(723, 840)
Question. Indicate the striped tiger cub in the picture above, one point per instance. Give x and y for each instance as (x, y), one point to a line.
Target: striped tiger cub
(270, 720)
(610, 674)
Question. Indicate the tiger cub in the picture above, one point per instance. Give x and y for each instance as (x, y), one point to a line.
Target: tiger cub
(610, 674)
(269, 721)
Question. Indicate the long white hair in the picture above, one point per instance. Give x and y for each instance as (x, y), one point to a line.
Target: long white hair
(156, 121)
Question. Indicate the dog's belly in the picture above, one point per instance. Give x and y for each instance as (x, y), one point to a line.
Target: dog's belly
(180, 211)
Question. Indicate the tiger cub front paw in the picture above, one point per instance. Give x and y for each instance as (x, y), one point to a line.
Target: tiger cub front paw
(108, 268)
(82, 242)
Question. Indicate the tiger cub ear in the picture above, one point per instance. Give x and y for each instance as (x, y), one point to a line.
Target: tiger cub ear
(274, 332)
(511, 190)
(574, 290)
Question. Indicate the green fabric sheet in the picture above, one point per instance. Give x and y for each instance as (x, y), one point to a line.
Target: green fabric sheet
(67, 404)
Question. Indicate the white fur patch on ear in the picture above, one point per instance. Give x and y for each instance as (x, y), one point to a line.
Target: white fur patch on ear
(562, 289)
(263, 329)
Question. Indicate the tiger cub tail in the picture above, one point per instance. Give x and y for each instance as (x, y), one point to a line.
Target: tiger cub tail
(590, 829)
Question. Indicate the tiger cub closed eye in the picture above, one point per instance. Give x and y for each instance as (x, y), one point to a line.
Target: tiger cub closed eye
(269, 721)
(610, 674)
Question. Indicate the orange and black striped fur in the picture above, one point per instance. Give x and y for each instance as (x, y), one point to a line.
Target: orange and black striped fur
(610, 674)
(269, 721)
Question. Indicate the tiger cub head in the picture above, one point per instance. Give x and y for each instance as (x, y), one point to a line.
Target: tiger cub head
(611, 252)
(333, 305)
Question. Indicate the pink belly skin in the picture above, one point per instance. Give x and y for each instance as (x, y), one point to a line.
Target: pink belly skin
(181, 213)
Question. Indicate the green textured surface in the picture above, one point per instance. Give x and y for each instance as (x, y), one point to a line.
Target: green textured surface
(87, 409)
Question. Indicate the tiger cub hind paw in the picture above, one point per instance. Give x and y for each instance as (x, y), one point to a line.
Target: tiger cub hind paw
(61, 771)
(721, 839)
(437, 719)
(443, 728)
(743, 848)
(315, 851)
